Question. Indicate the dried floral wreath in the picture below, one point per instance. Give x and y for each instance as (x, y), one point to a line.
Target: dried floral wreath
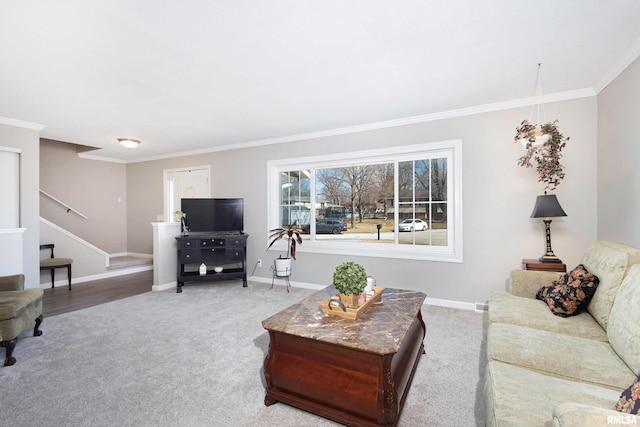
(546, 155)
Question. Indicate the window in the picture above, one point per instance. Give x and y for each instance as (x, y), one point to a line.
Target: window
(404, 202)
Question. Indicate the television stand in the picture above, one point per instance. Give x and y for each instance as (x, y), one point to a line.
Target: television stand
(228, 251)
(202, 234)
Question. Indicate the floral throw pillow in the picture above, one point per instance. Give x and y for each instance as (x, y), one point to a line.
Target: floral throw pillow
(570, 294)
(629, 401)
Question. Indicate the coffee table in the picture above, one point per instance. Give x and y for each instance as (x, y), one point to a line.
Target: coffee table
(356, 372)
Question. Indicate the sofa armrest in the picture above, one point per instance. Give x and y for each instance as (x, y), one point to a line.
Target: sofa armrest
(526, 283)
(12, 283)
(572, 414)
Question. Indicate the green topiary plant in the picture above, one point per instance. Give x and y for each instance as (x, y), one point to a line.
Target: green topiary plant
(350, 278)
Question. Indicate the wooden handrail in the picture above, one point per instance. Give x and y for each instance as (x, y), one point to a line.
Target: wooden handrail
(69, 208)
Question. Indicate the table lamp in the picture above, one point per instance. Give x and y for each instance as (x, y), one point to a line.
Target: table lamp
(547, 207)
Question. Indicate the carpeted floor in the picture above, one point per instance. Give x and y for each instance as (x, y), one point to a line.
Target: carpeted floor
(195, 359)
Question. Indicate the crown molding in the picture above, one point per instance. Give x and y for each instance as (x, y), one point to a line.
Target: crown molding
(486, 108)
(101, 158)
(21, 123)
(627, 58)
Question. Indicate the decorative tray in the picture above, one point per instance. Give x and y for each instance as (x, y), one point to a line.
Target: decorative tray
(350, 313)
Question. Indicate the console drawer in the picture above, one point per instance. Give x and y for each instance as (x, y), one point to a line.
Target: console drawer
(211, 243)
(186, 244)
(237, 241)
(190, 255)
(213, 254)
(235, 254)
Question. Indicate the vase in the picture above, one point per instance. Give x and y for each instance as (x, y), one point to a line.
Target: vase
(350, 301)
(283, 267)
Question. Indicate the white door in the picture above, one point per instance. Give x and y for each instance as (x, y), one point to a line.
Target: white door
(10, 189)
(184, 183)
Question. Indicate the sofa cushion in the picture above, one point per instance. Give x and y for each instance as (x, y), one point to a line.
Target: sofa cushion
(570, 293)
(525, 283)
(624, 320)
(13, 303)
(519, 397)
(629, 401)
(609, 261)
(580, 415)
(507, 308)
(563, 356)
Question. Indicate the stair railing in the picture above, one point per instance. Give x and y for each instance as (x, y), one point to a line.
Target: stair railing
(67, 207)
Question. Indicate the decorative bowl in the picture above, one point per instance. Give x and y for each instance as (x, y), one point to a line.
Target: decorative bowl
(217, 269)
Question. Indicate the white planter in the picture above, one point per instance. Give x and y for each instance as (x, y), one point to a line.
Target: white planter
(282, 267)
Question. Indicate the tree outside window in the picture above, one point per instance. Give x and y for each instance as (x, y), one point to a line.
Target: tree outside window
(364, 202)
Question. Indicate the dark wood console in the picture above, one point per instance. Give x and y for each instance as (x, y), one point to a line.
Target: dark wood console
(228, 251)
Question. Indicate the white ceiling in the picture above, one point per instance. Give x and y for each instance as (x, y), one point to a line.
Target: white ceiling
(204, 74)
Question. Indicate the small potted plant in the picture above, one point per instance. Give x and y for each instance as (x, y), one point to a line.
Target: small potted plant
(350, 279)
(181, 216)
(293, 234)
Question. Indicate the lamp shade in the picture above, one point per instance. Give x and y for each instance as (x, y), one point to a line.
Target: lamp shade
(547, 206)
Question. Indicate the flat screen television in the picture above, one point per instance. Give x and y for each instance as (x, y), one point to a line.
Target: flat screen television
(214, 215)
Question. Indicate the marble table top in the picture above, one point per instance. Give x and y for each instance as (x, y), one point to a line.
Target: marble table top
(380, 330)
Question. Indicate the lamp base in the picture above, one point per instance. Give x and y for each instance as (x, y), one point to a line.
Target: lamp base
(550, 258)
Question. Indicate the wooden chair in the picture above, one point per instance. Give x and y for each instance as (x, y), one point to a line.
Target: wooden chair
(52, 263)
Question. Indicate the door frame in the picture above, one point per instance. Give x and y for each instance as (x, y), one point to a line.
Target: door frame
(168, 188)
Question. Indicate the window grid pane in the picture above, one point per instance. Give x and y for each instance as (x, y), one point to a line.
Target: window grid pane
(359, 202)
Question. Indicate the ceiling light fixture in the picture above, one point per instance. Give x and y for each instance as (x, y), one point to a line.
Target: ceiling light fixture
(128, 142)
(543, 143)
(535, 135)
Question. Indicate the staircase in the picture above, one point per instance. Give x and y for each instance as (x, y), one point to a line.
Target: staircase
(90, 263)
(127, 261)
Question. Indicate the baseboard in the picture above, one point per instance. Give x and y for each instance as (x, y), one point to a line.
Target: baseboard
(282, 282)
(428, 301)
(450, 303)
(164, 286)
(112, 273)
(134, 254)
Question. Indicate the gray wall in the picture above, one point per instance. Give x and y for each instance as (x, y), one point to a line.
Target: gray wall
(92, 187)
(618, 156)
(27, 141)
(600, 192)
(498, 197)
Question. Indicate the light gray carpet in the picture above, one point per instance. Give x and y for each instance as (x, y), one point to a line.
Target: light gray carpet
(195, 359)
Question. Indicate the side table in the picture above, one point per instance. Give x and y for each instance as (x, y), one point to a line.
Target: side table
(534, 264)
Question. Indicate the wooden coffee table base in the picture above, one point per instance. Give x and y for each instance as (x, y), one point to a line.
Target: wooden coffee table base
(351, 386)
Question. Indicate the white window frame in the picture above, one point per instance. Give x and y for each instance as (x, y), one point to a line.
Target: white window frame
(451, 149)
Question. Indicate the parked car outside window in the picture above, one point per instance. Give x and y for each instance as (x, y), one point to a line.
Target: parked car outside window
(412, 224)
(327, 226)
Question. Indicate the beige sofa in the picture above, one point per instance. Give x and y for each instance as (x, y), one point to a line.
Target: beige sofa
(548, 370)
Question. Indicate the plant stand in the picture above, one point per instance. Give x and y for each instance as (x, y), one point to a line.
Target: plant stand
(286, 277)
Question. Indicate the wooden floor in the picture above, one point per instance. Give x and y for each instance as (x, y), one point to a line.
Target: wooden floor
(60, 300)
